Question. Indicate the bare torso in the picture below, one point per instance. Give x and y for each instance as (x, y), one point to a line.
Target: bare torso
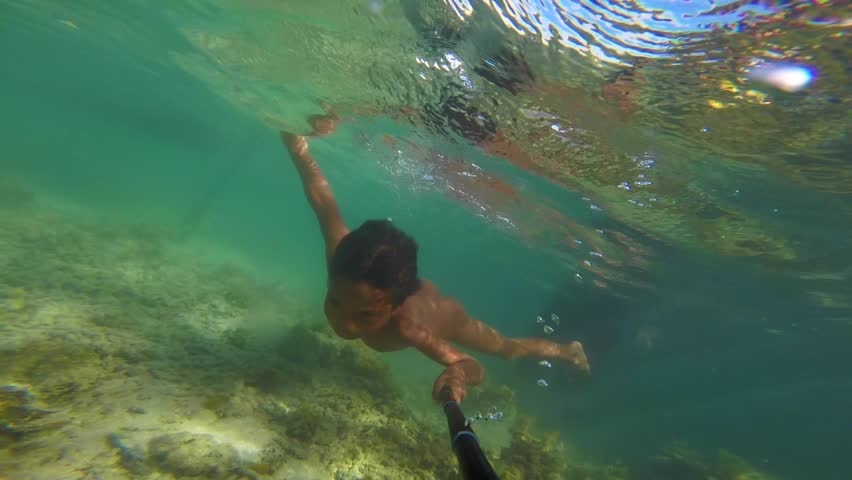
(426, 307)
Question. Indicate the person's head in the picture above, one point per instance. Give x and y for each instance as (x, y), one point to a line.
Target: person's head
(372, 272)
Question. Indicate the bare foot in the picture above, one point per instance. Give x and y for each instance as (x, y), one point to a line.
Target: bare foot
(296, 144)
(574, 353)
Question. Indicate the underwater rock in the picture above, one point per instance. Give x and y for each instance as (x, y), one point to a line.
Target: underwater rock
(351, 365)
(317, 345)
(132, 459)
(310, 424)
(237, 338)
(271, 458)
(728, 465)
(13, 303)
(218, 404)
(20, 420)
(302, 471)
(529, 457)
(192, 455)
(676, 462)
(60, 392)
(50, 365)
(269, 380)
(353, 473)
(276, 411)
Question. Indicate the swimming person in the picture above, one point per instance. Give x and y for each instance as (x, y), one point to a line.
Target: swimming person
(375, 294)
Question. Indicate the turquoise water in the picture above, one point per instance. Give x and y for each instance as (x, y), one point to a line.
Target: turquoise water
(165, 116)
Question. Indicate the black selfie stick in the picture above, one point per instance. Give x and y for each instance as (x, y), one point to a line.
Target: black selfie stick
(472, 462)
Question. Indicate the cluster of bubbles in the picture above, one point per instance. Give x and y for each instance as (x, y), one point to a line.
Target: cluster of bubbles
(491, 415)
(548, 330)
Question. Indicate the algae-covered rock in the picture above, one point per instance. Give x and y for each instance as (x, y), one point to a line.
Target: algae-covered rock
(13, 302)
(237, 337)
(729, 466)
(597, 472)
(193, 455)
(530, 457)
(272, 456)
(131, 457)
(57, 370)
(351, 365)
(20, 419)
(676, 462)
(305, 423)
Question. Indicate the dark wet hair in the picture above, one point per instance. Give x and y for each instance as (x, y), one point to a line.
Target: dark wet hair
(381, 255)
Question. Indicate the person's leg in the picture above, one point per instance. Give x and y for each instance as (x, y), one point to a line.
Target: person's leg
(474, 334)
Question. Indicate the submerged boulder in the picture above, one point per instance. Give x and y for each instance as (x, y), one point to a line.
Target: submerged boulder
(20, 419)
(130, 456)
(193, 455)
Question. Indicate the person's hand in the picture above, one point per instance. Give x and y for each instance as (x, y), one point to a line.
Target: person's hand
(323, 124)
(454, 378)
(296, 144)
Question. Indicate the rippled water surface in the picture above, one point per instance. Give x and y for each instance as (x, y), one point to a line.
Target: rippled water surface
(672, 177)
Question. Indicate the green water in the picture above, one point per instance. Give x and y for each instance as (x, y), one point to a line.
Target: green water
(129, 114)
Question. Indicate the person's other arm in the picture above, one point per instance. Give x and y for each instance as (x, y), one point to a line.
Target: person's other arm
(461, 369)
(317, 191)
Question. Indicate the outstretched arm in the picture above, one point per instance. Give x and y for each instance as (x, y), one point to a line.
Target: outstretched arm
(462, 369)
(317, 191)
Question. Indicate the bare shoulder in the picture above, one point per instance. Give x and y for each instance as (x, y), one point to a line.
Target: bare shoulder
(438, 309)
(428, 289)
(431, 297)
(425, 304)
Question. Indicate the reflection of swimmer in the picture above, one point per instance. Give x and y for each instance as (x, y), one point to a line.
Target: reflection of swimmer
(533, 221)
(621, 89)
(509, 70)
(463, 180)
(477, 127)
(501, 203)
(375, 294)
(440, 30)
